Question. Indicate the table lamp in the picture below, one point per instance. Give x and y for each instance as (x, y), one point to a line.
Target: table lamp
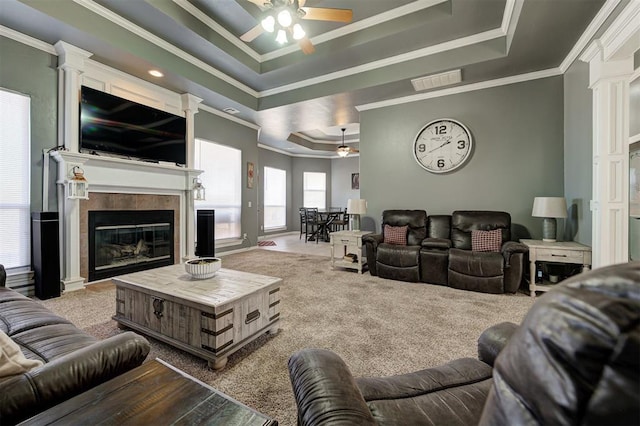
(356, 207)
(549, 208)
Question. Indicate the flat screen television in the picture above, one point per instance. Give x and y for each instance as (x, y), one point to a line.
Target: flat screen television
(113, 125)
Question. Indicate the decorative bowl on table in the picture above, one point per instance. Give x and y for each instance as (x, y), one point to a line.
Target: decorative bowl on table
(203, 267)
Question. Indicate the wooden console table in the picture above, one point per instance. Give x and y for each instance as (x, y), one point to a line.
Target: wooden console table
(351, 240)
(557, 252)
(154, 393)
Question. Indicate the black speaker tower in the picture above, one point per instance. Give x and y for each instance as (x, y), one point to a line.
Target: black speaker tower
(205, 233)
(45, 254)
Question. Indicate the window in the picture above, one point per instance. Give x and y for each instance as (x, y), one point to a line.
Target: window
(315, 190)
(222, 179)
(275, 198)
(15, 170)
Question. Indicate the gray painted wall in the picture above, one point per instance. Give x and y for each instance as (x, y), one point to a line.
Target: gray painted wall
(33, 72)
(578, 152)
(341, 171)
(518, 154)
(268, 158)
(217, 129)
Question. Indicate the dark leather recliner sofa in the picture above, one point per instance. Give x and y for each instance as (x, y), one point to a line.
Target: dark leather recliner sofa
(573, 360)
(438, 250)
(73, 360)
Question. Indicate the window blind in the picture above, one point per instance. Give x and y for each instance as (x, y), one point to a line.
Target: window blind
(15, 172)
(222, 179)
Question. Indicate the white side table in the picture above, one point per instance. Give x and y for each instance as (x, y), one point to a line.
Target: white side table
(558, 252)
(352, 241)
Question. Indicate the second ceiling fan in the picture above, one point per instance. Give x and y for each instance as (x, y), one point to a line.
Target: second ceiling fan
(282, 17)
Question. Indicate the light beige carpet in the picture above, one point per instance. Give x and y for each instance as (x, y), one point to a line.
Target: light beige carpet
(380, 327)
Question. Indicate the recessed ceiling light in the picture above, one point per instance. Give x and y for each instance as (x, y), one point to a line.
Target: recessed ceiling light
(156, 73)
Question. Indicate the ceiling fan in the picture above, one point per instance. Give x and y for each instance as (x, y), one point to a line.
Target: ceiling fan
(344, 150)
(282, 17)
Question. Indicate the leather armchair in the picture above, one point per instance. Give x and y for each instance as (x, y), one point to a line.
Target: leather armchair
(395, 261)
(489, 272)
(573, 360)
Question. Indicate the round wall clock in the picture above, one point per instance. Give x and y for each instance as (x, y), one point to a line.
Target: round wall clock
(442, 145)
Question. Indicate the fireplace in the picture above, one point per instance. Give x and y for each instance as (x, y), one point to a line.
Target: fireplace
(124, 241)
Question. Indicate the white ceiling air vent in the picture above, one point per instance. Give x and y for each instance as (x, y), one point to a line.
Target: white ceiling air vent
(437, 80)
(230, 110)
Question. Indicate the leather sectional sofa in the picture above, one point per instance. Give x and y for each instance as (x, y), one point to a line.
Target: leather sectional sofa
(573, 360)
(73, 361)
(470, 250)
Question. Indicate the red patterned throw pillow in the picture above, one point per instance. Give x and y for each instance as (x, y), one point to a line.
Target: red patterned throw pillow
(395, 235)
(486, 240)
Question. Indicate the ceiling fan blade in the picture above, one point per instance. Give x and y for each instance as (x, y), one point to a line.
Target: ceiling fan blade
(301, 3)
(259, 3)
(252, 33)
(306, 46)
(327, 14)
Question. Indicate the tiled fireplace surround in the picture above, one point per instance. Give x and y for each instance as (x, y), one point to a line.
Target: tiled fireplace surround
(119, 184)
(99, 201)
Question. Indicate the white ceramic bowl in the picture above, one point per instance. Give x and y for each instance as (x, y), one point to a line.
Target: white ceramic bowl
(203, 267)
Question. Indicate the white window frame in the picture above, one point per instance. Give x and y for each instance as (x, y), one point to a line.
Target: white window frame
(275, 202)
(312, 194)
(228, 187)
(15, 179)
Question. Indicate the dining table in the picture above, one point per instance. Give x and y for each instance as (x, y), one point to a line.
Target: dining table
(324, 222)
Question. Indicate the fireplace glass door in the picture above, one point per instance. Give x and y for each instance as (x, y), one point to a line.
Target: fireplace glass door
(129, 241)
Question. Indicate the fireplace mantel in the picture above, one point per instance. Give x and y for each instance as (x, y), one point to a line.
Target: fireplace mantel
(99, 171)
(121, 176)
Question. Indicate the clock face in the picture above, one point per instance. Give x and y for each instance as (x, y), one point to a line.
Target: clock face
(442, 145)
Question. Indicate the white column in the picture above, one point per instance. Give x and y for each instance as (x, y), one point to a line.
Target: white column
(69, 211)
(190, 107)
(610, 61)
(71, 65)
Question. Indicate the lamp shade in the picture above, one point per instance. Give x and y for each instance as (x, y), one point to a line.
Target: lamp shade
(549, 207)
(356, 206)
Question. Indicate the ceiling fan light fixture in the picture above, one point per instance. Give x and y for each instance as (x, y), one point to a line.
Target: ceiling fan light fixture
(284, 18)
(343, 150)
(269, 24)
(282, 36)
(298, 32)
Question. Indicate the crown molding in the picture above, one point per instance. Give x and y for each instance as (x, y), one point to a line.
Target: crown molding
(28, 40)
(588, 34)
(622, 38)
(330, 142)
(152, 38)
(358, 26)
(521, 78)
(205, 19)
(393, 60)
(509, 21)
(635, 75)
(289, 154)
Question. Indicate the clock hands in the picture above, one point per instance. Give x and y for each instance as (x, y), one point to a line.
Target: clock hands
(438, 147)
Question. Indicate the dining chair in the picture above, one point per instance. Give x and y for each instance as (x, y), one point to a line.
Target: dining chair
(342, 221)
(315, 221)
(303, 223)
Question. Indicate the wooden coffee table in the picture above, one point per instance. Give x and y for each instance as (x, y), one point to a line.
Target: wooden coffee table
(210, 318)
(154, 393)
